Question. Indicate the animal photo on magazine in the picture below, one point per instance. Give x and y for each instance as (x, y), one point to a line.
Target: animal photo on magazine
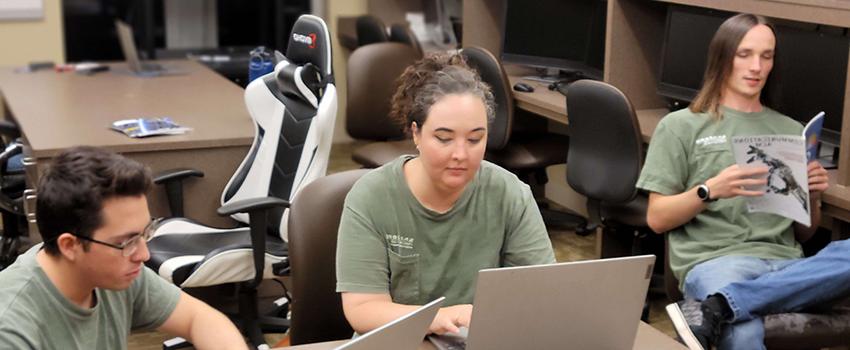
(786, 157)
(787, 190)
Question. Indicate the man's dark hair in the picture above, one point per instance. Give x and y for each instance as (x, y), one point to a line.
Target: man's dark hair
(72, 191)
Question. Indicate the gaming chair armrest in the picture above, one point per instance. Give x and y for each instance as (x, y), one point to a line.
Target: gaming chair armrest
(173, 181)
(11, 150)
(251, 205)
(9, 129)
(257, 209)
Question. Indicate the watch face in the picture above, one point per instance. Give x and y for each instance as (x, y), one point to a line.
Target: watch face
(702, 192)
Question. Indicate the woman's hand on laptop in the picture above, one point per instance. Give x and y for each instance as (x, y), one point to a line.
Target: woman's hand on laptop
(448, 319)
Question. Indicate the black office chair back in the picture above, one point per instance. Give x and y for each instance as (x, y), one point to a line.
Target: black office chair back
(401, 33)
(493, 74)
(371, 81)
(294, 110)
(370, 30)
(313, 224)
(606, 148)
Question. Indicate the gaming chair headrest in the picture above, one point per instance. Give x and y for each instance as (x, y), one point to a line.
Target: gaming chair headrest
(302, 82)
(310, 43)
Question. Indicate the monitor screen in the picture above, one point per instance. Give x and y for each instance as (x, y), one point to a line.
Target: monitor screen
(685, 49)
(810, 75)
(562, 34)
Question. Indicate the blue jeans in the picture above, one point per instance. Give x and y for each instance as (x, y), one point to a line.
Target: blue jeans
(754, 287)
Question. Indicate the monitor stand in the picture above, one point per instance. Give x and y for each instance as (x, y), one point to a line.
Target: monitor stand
(558, 79)
(829, 160)
(557, 76)
(544, 75)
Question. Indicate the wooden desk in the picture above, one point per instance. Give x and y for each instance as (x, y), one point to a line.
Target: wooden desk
(59, 110)
(553, 105)
(647, 338)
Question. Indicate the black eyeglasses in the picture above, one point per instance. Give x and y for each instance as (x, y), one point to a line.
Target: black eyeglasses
(131, 245)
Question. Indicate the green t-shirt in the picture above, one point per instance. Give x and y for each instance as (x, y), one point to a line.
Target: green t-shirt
(35, 315)
(390, 243)
(686, 150)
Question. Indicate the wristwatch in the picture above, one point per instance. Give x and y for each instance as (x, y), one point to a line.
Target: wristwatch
(704, 193)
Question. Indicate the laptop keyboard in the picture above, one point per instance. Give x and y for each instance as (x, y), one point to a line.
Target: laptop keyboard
(447, 343)
(450, 341)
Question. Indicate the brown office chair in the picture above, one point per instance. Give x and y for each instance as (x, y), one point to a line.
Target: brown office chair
(525, 154)
(401, 33)
(371, 82)
(370, 30)
(313, 224)
(788, 331)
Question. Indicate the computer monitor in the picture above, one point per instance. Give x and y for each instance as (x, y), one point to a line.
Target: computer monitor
(811, 75)
(685, 50)
(562, 34)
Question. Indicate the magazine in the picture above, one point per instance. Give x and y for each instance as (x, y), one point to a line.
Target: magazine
(144, 127)
(786, 156)
(812, 134)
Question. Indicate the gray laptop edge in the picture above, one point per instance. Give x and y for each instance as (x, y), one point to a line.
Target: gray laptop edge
(131, 54)
(588, 305)
(405, 333)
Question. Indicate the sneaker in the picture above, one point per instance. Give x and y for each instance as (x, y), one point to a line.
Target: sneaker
(699, 330)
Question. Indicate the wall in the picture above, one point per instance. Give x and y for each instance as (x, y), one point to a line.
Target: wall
(33, 40)
(333, 10)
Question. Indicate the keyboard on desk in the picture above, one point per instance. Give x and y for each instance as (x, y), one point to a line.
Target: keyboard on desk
(151, 67)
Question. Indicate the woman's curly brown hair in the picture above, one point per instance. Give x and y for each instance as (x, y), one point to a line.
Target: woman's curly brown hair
(426, 81)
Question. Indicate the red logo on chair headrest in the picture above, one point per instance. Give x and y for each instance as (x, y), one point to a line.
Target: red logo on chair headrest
(309, 39)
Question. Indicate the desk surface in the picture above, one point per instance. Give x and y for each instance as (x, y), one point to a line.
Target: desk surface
(647, 338)
(59, 110)
(553, 105)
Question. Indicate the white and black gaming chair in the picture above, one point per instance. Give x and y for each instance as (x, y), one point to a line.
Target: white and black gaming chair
(294, 109)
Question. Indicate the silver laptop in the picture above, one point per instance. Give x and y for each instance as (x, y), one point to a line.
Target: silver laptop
(131, 54)
(588, 305)
(405, 333)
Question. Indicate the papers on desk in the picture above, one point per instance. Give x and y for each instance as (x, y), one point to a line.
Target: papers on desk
(144, 127)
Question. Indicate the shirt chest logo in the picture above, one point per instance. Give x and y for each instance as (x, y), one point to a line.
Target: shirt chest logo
(399, 241)
(711, 140)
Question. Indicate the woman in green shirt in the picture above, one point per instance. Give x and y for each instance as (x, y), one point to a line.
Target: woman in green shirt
(423, 225)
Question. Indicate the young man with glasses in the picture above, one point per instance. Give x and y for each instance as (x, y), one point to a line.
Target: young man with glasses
(86, 286)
